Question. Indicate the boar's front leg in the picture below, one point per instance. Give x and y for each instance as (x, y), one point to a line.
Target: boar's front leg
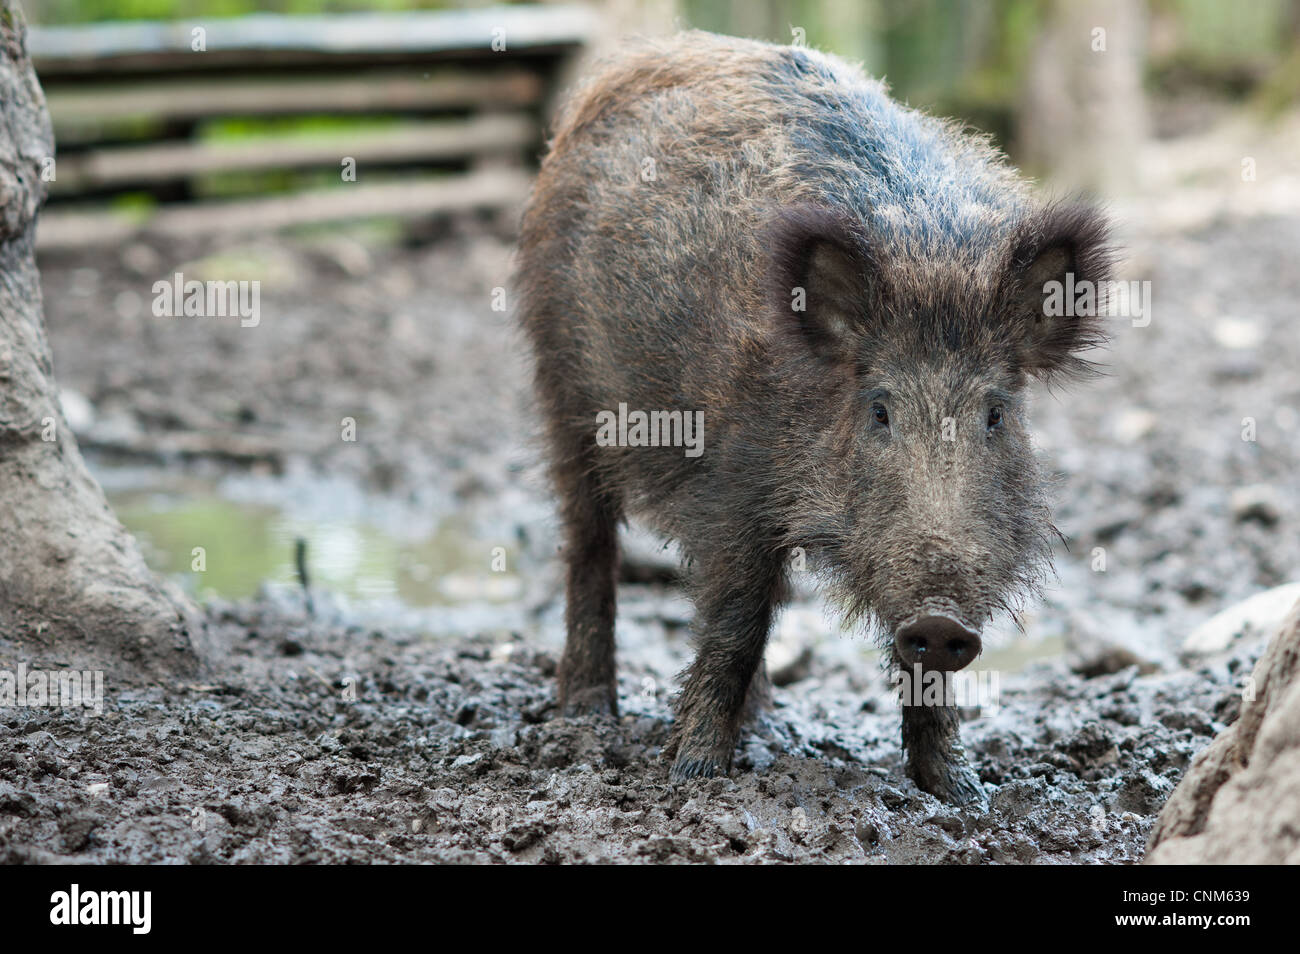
(936, 761)
(733, 613)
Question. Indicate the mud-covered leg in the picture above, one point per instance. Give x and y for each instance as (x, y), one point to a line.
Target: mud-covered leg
(936, 761)
(732, 620)
(587, 676)
(758, 698)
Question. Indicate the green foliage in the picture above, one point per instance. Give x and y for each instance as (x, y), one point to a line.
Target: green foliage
(90, 11)
(297, 127)
(956, 57)
(967, 58)
(1218, 31)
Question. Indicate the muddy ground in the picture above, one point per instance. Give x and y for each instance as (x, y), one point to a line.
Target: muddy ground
(428, 734)
(450, 753)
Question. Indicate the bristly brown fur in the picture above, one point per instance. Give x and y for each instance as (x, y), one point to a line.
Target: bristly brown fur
(795, 235)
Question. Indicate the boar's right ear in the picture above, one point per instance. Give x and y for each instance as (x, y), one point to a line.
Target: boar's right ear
(821, 271)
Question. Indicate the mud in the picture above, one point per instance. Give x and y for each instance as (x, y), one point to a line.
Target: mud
(395, 733)
(328, 743)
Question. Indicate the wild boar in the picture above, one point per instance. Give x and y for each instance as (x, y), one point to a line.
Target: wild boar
(847, 295)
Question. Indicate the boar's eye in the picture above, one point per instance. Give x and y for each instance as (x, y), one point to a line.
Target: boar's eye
(995, 417)
(879, 414)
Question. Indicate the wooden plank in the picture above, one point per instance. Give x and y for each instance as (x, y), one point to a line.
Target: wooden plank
(482, 189)
(409, 142)
(162, 45)
(296, 95)
(190, 445)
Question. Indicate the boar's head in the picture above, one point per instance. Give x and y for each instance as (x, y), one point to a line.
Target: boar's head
(911, 465)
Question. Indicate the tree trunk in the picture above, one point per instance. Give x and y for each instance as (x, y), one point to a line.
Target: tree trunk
(74, 589)
(1084, 110)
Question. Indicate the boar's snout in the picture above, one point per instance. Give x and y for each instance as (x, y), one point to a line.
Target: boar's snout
(937, 643)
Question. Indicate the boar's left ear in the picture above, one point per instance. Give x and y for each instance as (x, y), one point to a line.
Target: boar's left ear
(1056, 250)
(821, 274)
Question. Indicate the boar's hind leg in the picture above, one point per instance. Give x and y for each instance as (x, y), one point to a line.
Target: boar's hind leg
(936, 761)
(587, 677)
(732, 619)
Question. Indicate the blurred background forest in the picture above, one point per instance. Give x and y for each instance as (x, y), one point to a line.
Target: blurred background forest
(1070, 90)
(380, 291)
(967, 58)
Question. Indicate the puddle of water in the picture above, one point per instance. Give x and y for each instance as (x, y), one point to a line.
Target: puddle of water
(385, 560)
(221, 547)
(1020, 652)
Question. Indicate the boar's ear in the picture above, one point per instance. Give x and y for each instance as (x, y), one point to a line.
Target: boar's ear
(822, 270)
(1061, 248)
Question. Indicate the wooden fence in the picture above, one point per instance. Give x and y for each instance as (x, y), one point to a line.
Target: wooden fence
(446, 110)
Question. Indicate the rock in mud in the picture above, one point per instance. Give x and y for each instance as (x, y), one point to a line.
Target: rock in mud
(1258, 502)
(1256, 617)
(1240, 801)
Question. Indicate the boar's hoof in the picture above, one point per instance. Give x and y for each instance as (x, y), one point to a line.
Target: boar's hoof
(704, 766)
(954, 782)
(591, 701)
(704, 759)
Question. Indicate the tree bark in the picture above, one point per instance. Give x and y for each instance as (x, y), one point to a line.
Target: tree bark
(1083, 114)
(1239, 802)
(74, 589)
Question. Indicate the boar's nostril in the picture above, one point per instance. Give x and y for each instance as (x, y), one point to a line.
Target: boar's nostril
(962, 651)
(937, 642)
